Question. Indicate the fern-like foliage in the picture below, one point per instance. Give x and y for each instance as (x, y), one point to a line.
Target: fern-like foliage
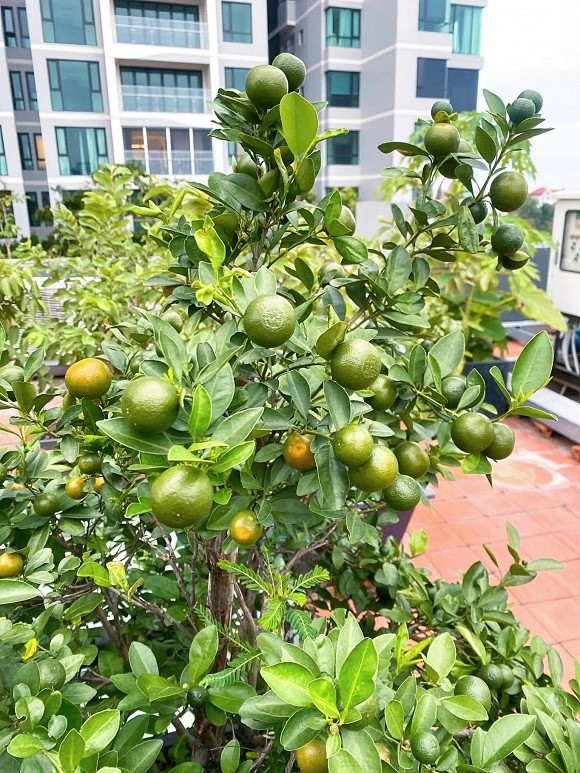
(229, 633)
(237, 668)
(247, 577)
(301, 623)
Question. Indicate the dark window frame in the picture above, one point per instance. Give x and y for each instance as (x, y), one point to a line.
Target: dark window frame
(9, 27)
(63, 149)
(335, 148)
(31, 90)
(58, 94)
(3, 159)
(231, 76)
(335, 100)
(332, 26)
(25, 148)
(229, 33)
(23, 28)
(49, 25)
(16, 85)
(40, 157)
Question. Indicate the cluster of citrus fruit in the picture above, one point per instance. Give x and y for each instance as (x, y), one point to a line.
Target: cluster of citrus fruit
(508, 189)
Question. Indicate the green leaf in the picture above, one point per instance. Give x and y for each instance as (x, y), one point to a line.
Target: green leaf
(229, 697)
(395, 719)
(290, 682)
(234, 456)
(494, 103)
(467, 230)
(349, 636)
(424, 715)
(398, 269)
(170, 343)
(98, 574)
(141, 757)
(297, 387)
(485, 144)
(15, 591)
(533, 367)
(142, 659)
(202, 653)
(505, 736)
(338, 403)
(448, 352)
(323, 694)
(99, 730)
(332, 476)
(156, 688)
(244, 190)
(351, 249)
(344, 762)
(299, 122)
(357, 673)
(210, 244)
(544, 565)
(362, 747)
(230, 757)
(440, 657)
(405, 148)
(25, 394)
(71, 751)
(121, 432)
(24, 745)
(301, 728)
(201, 412)
(238, 426)
(465, 707)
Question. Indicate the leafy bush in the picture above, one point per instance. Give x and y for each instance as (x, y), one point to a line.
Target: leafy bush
(159, 609)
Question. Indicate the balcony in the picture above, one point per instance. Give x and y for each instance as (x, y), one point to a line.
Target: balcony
(147, 31)
(287, 13)
(160, 99)
(177, 162)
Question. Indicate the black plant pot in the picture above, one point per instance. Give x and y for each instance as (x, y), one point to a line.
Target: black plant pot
(493, 393)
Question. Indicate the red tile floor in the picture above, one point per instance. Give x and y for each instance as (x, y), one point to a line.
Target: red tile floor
(538, 491)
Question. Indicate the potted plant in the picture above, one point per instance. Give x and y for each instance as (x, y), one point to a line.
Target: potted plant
(149, 580)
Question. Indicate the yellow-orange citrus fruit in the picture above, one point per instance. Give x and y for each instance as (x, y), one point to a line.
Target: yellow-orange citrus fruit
(296, 451)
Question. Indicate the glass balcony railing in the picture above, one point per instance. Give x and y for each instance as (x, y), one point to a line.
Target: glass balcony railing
(162, 99)
(178, 162)
(146, 31)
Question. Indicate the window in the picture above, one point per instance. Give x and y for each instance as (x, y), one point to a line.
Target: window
(17, 91)
(434, 15)
(462, 88)
(39, 148)
(237, 22)
(431, 77)
(45, 197)
(10, 39)
(68, 21)
(466, 26)
(162, 91)
(25, 152)
(169, 151)
(31, 88)
(236, 77)
(75, 85)
(23, 24)
(80, 150)
(342, 88)
(3, 163)
(343, 149)
(158, 24)
(343, 27)
(32, 206)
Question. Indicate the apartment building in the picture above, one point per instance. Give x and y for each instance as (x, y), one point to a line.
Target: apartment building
(85, 82)
(380, 64)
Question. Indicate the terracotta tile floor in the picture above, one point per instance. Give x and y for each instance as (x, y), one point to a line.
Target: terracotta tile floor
(538, 491)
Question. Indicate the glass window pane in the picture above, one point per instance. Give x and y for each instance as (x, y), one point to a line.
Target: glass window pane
(3, 163)
(180, 152)
(466, 26)
(236, 77)
(23, 24)
(45, 198)
(343, 149)
(17, 91)
(342, 88)
(31, 88)
(462, 88)
(80, 150)
(10, 39)
(39, 148)
(68, 21)
(431, 77)
(162, 91)
(434, 15)
(75, 85)
(203, 153)
(25, 152)
(237, 22)
(343, 27)
(159, 24)
(32, 207)
(134, 145)
(157, 151)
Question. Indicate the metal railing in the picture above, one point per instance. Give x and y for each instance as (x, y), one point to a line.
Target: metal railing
(177, 162)
(163, 99)
(143, 30)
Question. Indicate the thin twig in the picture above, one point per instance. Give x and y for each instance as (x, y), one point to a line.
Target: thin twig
(309, 549)
(247, 613)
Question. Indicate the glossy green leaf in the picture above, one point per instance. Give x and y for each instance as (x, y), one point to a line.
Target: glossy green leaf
(290, 682)
(201, 412)
(467, 230)
(142, 659)
(332, 476)
(202, 652)
(533, 366)
(238, 426)
(344, 762)
(362, 747)
(299, 122)
(230, 697)
(71, 751)
(140, 758)
(338, 403)
(24, 745)
(323, 694)
(465, 707)
(357, 674)
(15, 591)
(99, 730)
(230, 756)
(296, 386)
(121, 432)
(504, 736)
(395, 719)
(301, 728)
(440, 657)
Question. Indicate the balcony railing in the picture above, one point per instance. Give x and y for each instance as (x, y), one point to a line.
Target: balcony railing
(177, 162)
(142, 30)
(163, 99)
(287, 13)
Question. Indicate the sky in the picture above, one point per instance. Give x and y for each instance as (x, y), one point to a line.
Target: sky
(535, 44)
